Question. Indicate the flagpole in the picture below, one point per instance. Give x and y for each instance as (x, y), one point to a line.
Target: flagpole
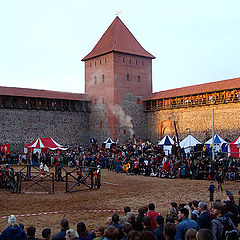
(213, 148)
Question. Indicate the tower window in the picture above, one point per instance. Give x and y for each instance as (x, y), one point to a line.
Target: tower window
(103, 77)
(123, 60)
(105, 60)
(127, 77)
(100, 62)
(142, 63)
(90, 64)
(136, 62)
(95, 63)
(95, 79)
(138, 79)
(130, 61)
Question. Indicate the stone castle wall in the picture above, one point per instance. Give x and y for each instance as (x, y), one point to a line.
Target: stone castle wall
(198, 120)
(20, 127)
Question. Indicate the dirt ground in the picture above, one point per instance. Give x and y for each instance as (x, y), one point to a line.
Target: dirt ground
(117, 191)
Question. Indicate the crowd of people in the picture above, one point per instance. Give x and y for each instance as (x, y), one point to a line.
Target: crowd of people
(137, 157)
(186, 221)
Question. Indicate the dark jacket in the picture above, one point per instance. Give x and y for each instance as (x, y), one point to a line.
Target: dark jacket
(13, 233)
(60, 235)
(158, 232)
(204, 220)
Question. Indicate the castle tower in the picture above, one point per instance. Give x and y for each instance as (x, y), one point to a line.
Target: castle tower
(117, 65)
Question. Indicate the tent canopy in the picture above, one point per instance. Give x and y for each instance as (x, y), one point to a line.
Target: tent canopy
(44, 143)
(107, 143)
(217, 140)
(189, 141)
(234, 147)
(166, 141)
(219, 144)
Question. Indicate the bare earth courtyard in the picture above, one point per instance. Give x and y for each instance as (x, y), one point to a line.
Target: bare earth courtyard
(117, 191)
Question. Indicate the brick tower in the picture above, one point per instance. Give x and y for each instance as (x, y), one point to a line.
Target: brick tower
(117, 65)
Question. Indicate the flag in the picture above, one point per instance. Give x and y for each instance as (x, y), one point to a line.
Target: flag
(5, 148)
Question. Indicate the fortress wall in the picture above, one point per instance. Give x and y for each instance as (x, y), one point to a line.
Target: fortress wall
(198, 120)
(19, 127)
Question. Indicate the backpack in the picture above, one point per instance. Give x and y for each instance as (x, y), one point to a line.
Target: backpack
(229, 232)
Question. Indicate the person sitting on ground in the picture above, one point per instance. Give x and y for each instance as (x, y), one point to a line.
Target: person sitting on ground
(111, 233)
(204, 234)
(72, 235)
(64, 227)
(99, 233)
(123, 218)
(184, 224)
(46, 234)
(13, 231)
(82, 232)
(31, 231)
(191, 234)
(158, 232)
(169, 231)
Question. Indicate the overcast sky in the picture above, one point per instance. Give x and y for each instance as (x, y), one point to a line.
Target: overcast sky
(42, 42)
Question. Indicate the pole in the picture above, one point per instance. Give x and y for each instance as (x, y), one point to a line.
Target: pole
(213, 148)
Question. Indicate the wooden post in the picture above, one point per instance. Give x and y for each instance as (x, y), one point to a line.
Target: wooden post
(66, 190)
(53, 183)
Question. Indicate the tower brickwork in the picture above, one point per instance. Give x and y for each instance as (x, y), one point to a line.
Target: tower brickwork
(117, 65)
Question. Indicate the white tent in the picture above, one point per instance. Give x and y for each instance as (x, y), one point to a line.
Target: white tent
(219, 144)
(188, 143)
(167, 144)
(108, 143)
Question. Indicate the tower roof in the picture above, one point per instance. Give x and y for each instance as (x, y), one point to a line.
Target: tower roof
(118, 38)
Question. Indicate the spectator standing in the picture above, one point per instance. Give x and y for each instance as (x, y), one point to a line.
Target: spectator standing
(211, 190)
(185, 224)
(82, 232)
(46, 234)
(221, 224)
(99, 233)
(31, 231)
(123, 218)
(158, 232)
(169, 231)
(152, 214)
(64, 227)
(13, 231)
(71, 235)
(205, 219)
(204, 234)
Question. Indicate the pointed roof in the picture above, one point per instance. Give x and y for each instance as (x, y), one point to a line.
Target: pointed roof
(118, 38)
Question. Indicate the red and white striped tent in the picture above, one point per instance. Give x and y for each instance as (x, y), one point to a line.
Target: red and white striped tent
(234, 147)
(43, 144)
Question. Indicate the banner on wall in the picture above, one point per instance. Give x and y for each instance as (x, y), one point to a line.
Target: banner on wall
(5, 148)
